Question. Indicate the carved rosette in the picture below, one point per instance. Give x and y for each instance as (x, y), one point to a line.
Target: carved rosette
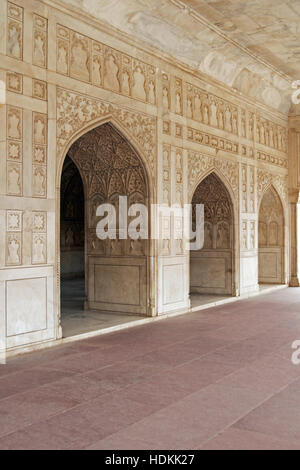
(200, 165)
(75, 111)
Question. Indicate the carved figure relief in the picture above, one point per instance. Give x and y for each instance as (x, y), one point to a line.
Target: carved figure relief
(39, 249)
(166, 101)
(111, 80)
(39, 49)
(39, 181)
(13, 249)
(79, 67)
(62, 58)
(39, 89)
(14, 179)
(97, 71)
(138, 89)
(39, 130)
(125, 83)
(14, 116)
(14, 39)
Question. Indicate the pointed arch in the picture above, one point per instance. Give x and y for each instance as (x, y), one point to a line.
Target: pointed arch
(123, 132)
(271, 237)
(223, 180)
(94, 162)
(213, 269)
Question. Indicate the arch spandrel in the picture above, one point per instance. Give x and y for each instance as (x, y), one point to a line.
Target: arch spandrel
(77, 114)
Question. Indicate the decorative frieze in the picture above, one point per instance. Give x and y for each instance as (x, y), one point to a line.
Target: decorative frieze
(87, 60)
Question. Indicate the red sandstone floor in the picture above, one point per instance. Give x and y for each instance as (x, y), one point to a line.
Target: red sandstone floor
(217, 379)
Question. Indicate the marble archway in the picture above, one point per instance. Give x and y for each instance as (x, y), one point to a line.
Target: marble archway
(117, 278)
(271, 239)
(211, 268)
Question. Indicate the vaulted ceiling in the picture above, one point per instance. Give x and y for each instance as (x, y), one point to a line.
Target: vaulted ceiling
(250, 45)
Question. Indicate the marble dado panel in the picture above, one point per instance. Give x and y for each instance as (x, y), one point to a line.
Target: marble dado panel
(75, 111)
(82, 58)
(216, 112)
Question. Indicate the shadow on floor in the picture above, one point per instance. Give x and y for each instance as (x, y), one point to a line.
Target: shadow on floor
(76, 321)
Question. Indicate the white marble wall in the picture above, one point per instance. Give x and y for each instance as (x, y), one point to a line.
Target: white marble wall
(63, 77)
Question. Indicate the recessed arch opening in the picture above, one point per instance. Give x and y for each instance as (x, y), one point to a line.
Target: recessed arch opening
(212, 267)
(271, 238)
(110, 277)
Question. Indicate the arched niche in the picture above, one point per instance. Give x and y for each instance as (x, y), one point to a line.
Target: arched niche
(211, 268)
(117, 277)
(271, 239)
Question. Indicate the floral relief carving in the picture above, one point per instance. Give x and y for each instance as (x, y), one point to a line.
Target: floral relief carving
(14, 249)
(200, 164)
(74, 111)
(15, 82)
(39, 89)
(265, 179)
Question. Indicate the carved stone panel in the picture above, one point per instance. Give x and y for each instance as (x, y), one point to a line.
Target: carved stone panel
(39, 46)
(39, 159)
(39, 89)
(15, 82)
(14, 31)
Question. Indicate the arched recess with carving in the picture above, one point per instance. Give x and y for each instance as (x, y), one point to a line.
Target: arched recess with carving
(110, 167)
(271, 238)
(213, 269)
